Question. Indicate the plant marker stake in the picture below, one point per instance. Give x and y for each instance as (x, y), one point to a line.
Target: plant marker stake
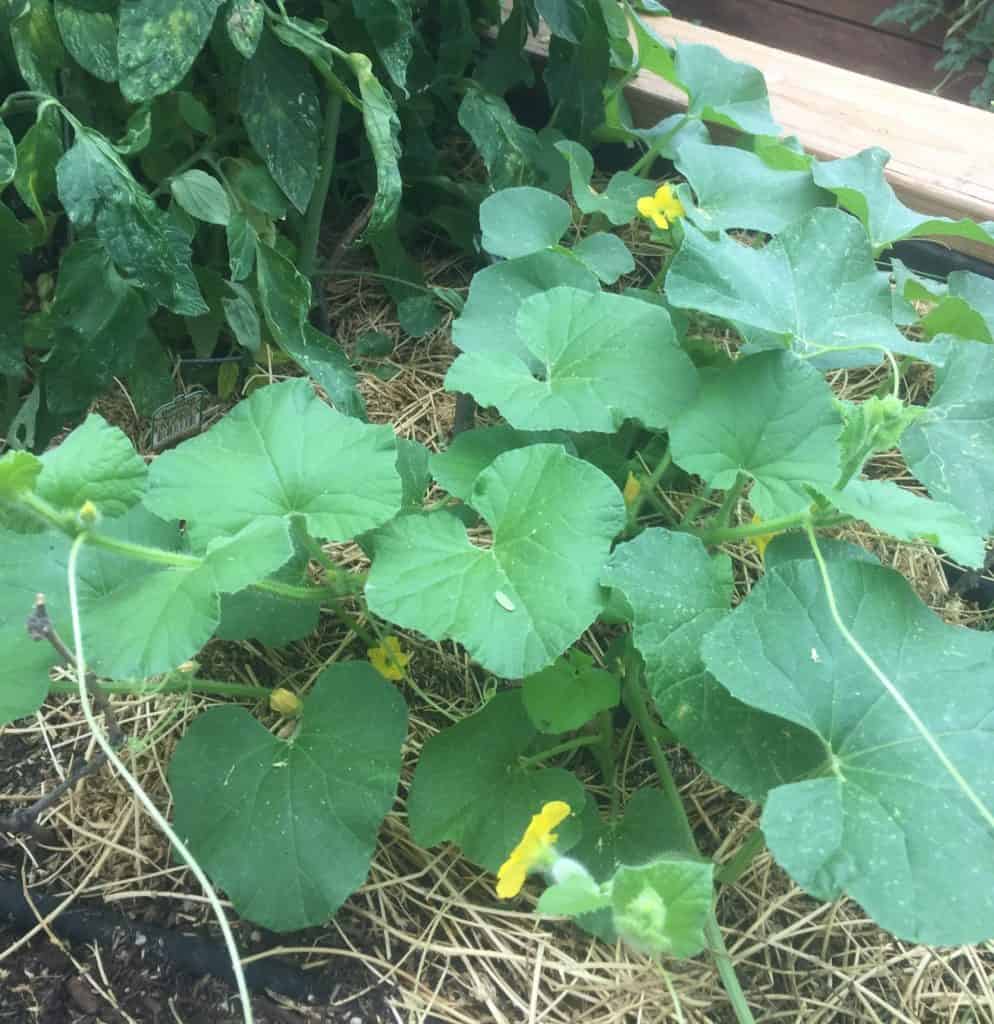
(140, 794)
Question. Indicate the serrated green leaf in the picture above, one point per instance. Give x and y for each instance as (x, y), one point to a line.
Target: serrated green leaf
(496, 294)
(593, 361)
(520, 221)
(882, 821)
(724, 91)
(97, 463)
(862, 188)
(813, 288)
(606, 255)
(281, 453)
(618, 201)
(8, 156)
(736, 189)
(468, 787)
(553, 519)
(678, 593)
(288, 827)
(244, 23)
(281, 112)
(202, 196)
(90, 37)
(568, 694)
(906, 516)
(874, 425)
(950, 449)
(662, 907)
(96, 188)
(470, 452)
(965, 308)
(770, 416)
(158, 42)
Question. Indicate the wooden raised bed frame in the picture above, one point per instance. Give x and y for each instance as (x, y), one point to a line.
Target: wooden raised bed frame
(942, 152)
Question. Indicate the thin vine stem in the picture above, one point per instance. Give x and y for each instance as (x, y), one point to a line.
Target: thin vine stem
(136, 788)
(577, 743)
(922, 729)
(741, 860)
(215, 687)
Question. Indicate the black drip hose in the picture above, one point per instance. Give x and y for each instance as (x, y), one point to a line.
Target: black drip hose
(191, 954)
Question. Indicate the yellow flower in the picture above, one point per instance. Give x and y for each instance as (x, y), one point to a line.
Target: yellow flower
(389, 659)
(662, 209)
(534, 850)
(633, 488)
(284, 702)
(761, 540)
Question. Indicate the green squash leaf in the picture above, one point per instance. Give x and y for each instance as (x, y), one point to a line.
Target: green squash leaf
(883, 821)
(90, 37)
(736, 189)
(678, 593)
(202, 196)
(97, 463)
(813, 288)
(520, 221)
(770, 416)
(724, 91)
(288, 827)
(594, 360)
(965, 308)
(281, 112)
(569, 693)
(861, 187)
(950, 449)
(553, 519)
(906, 516)
(468, 787)
(281, 453)
(496, 294)
(618, 201)
(158, 42)
(606, 255)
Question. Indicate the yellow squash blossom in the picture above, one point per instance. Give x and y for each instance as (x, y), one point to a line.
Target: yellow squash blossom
(285, 702)
(534, 850)
(389, 658)
(662, 209)
(762, 540)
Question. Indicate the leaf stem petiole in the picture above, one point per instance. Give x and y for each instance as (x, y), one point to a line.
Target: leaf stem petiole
(740, 861)
(586, 740)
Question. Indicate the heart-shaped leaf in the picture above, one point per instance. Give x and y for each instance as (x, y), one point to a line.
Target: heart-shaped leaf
(882, 820)
(280, 453)
(770, 416)
(594, 360)
(287, 827)
(553, 519)
(470, 789)
(520, 221)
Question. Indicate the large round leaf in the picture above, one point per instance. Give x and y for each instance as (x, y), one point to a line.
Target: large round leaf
(882, 821)
(596, 359)
(470, 789)
(553, 519)
(287, 827)
(770, 416)
(281, 453)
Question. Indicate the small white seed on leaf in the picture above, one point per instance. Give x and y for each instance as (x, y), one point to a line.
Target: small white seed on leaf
(504, 601)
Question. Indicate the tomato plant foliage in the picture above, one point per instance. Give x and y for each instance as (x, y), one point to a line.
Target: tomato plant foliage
(816, 695)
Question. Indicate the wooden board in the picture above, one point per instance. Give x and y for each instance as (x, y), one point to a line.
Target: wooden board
(865, 12)
(942, 153)
(823, 35)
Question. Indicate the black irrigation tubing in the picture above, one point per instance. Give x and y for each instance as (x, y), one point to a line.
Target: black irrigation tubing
(188, 953)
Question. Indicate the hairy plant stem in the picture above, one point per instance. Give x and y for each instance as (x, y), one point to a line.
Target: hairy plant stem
(643, 165)
(176, 682)
(711, 535)
(638, 705)
(730, 500)
(647, 491)
(607, 761)
(739, 862)
(586, 740)
(311, 230)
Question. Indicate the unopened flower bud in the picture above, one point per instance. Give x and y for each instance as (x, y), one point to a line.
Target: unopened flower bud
(285, 702)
